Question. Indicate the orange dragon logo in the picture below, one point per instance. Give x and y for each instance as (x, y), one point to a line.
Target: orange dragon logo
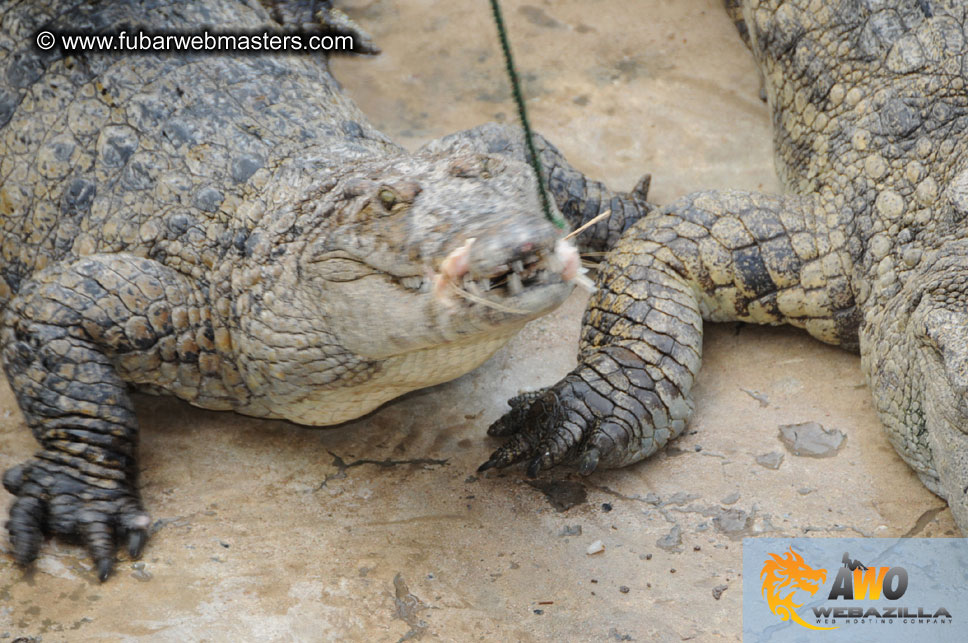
(790, 572)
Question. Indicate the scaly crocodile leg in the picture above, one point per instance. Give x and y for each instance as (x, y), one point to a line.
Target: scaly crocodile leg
(65, 338)
(717, 256)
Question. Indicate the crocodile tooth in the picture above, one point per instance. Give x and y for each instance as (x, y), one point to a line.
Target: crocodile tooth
(517, 266)
(514, 283)
(472, 287)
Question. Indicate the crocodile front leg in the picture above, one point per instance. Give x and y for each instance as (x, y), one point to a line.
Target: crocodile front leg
(711, 255)
(66, 340)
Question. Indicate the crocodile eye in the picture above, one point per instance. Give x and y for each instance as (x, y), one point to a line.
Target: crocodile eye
(388, 198)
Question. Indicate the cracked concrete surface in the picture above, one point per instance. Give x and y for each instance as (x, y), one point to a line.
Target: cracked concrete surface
(379, 529)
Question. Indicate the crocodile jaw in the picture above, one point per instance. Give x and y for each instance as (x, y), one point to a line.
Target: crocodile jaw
(397, 375)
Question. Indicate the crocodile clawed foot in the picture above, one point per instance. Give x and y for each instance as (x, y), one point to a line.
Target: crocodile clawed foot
(553, 426)
(52, 499)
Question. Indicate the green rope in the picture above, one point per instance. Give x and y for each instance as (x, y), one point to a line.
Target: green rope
(523, 115)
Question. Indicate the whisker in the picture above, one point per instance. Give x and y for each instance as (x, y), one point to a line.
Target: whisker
(585, 283)
(486, 302)
(584, 227)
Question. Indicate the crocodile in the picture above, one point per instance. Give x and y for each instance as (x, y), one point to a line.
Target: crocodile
(867, 249)
(232, 231)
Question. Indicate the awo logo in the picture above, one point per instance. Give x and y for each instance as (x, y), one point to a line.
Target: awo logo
(784, 576)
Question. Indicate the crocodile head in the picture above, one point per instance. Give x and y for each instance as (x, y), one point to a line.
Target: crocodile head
(412, 270)
(432, 250)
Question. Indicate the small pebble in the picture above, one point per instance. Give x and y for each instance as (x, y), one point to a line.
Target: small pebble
(623, 589)
(614, 633)
(140, 573)
(596, 547)
(671, 541)
(771, 460)
(539, 612)
(606, 507)
(812, 440)
(672, 571)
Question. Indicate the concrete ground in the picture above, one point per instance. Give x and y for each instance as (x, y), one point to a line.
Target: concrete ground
(380, 530)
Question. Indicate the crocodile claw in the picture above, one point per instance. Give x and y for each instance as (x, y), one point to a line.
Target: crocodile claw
(549, 427)
(589, 461)
(52, 501)
(136, 542)
(604, 414)
(487, 465)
